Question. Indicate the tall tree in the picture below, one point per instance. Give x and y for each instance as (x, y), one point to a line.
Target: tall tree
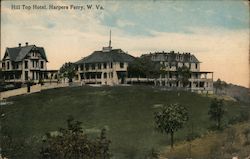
(145, 67)
(136, 68)
(217, 111)
(184, 74)
(170, 119)
(68, 70)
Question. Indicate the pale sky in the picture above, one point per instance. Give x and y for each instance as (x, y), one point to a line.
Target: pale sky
(216, 32)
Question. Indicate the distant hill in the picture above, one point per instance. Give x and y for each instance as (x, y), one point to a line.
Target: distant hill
(239, 93)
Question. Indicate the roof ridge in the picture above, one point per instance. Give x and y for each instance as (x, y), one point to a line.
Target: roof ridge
(21, 46)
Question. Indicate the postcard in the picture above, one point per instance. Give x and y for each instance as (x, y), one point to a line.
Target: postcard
(124, 79)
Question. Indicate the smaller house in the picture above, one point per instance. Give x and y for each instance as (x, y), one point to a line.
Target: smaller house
(25, 63)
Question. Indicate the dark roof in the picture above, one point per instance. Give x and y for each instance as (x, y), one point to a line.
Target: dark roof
(172, 57)
(19, 53)
(114, 55)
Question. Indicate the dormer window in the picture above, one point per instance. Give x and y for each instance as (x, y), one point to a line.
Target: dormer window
(177, 57)
(181, 58)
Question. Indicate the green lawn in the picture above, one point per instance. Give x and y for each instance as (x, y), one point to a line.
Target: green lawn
(127, 113)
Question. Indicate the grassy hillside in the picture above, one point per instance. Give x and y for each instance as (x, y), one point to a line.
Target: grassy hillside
(223, 144)
(127, 113)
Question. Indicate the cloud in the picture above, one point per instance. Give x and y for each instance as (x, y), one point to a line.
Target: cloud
(124, 23)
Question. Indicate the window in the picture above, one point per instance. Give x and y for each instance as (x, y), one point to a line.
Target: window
(111, 65)
(92, 76)
(86, 67)
(181, 58)
(33, 75)
(196, 65)
(26, 75)
(42, 65)
(3, 65)
(105, 66)
(25, 64)
(166, 57)
(99, 76)
(111, 74)
(121, 65)
(81, 67)
(99, 66)
(33, 64)
(105, 75)
(8, 65)
(93, 66)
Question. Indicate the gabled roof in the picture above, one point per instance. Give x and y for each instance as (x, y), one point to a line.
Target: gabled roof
(172, 57)
(17, 54)
(114, 55)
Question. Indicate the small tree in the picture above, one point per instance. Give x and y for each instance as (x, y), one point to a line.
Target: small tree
(68, 71)
(72, 143)
(103, 145)
(170, 119)
(219, 85)
(217, 111)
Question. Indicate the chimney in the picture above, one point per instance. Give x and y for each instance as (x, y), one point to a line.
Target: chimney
(26, 43)
(19, 44)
